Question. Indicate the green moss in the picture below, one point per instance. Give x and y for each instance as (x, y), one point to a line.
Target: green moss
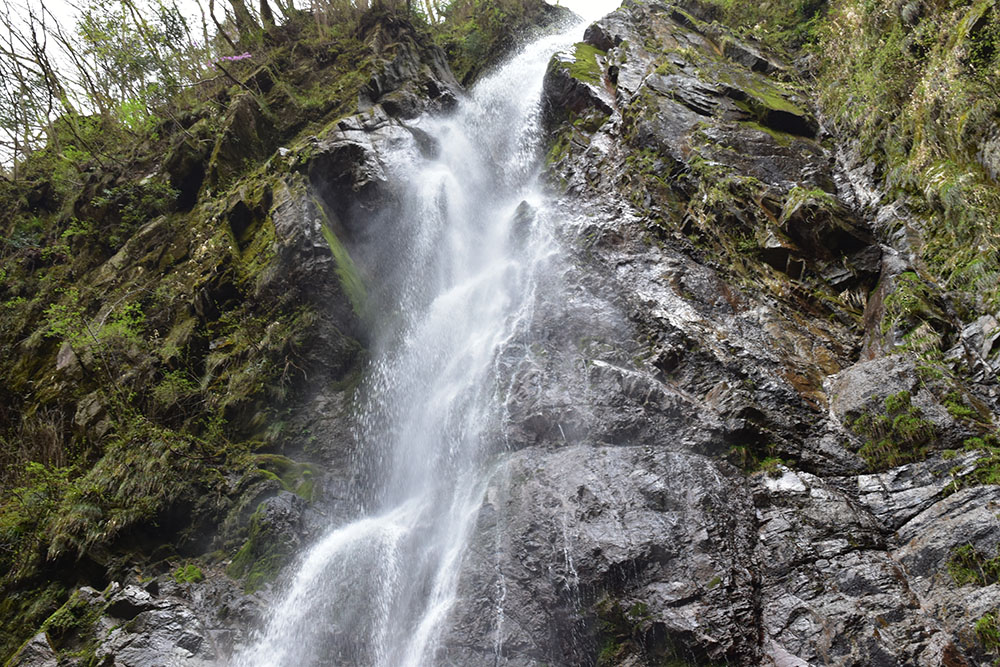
(298, 478)
(347, 271)
(70, 627)
(811, 198)
(261, 557)
(764, 96)
(781, 138)
(586, 64)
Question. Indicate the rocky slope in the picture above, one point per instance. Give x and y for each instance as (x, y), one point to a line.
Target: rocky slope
(732, 449)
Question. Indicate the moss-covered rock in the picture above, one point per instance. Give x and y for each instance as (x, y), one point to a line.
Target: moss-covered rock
(274, 535)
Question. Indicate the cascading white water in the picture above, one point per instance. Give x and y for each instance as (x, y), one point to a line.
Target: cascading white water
(377, 591)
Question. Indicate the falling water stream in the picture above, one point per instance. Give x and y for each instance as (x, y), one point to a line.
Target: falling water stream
(470, 250)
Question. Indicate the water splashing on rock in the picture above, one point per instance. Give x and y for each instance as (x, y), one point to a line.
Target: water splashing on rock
(462, 260)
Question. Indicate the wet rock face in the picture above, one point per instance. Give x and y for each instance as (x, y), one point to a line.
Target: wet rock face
(606, 549)
(157, 622)
(733, 470)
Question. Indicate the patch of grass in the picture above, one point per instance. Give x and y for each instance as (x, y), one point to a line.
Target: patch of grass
(896, 436)
(986, 469)
(188, 574)
(957, 408)
(918, 88)
(782, 26)
(987, 631)
(968, 566)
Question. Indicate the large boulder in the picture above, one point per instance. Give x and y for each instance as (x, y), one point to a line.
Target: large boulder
(616, 552)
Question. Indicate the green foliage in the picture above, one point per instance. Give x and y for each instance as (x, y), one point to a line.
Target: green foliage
(919, 90)
(182, 347)
(771, 466)
(260, 558)
(909, 300)
(24, 611)
(175, 387)
(624, 633)
(27, 233)
(475, 33)
(78, 229)
(781, 25)
(188, 574)
(25, 514)
(968, 566)
(955, 404)
(65, 319)
(986, 469)
(897, 436)
(987, 631)
(144, 472)
(298, 478)
(620, 630)
(350, 279)
(755, 457)
(811, 198)
(132, 204)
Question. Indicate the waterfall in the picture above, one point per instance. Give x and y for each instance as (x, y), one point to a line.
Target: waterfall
(468, 252)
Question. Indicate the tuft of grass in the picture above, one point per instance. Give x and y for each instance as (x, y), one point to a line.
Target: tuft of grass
(188, 574)
(987, 630)
(897, 436)
(968, 566)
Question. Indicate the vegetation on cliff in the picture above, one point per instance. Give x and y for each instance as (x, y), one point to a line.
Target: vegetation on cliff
(915, 84)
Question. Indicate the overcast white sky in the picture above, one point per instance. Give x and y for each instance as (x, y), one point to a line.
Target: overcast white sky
(590, 10)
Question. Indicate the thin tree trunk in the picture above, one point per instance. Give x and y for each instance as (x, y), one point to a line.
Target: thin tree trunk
(218, 26)
(266, 16)
(245, 22)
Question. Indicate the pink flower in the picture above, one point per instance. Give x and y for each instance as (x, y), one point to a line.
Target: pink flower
(242, 56)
